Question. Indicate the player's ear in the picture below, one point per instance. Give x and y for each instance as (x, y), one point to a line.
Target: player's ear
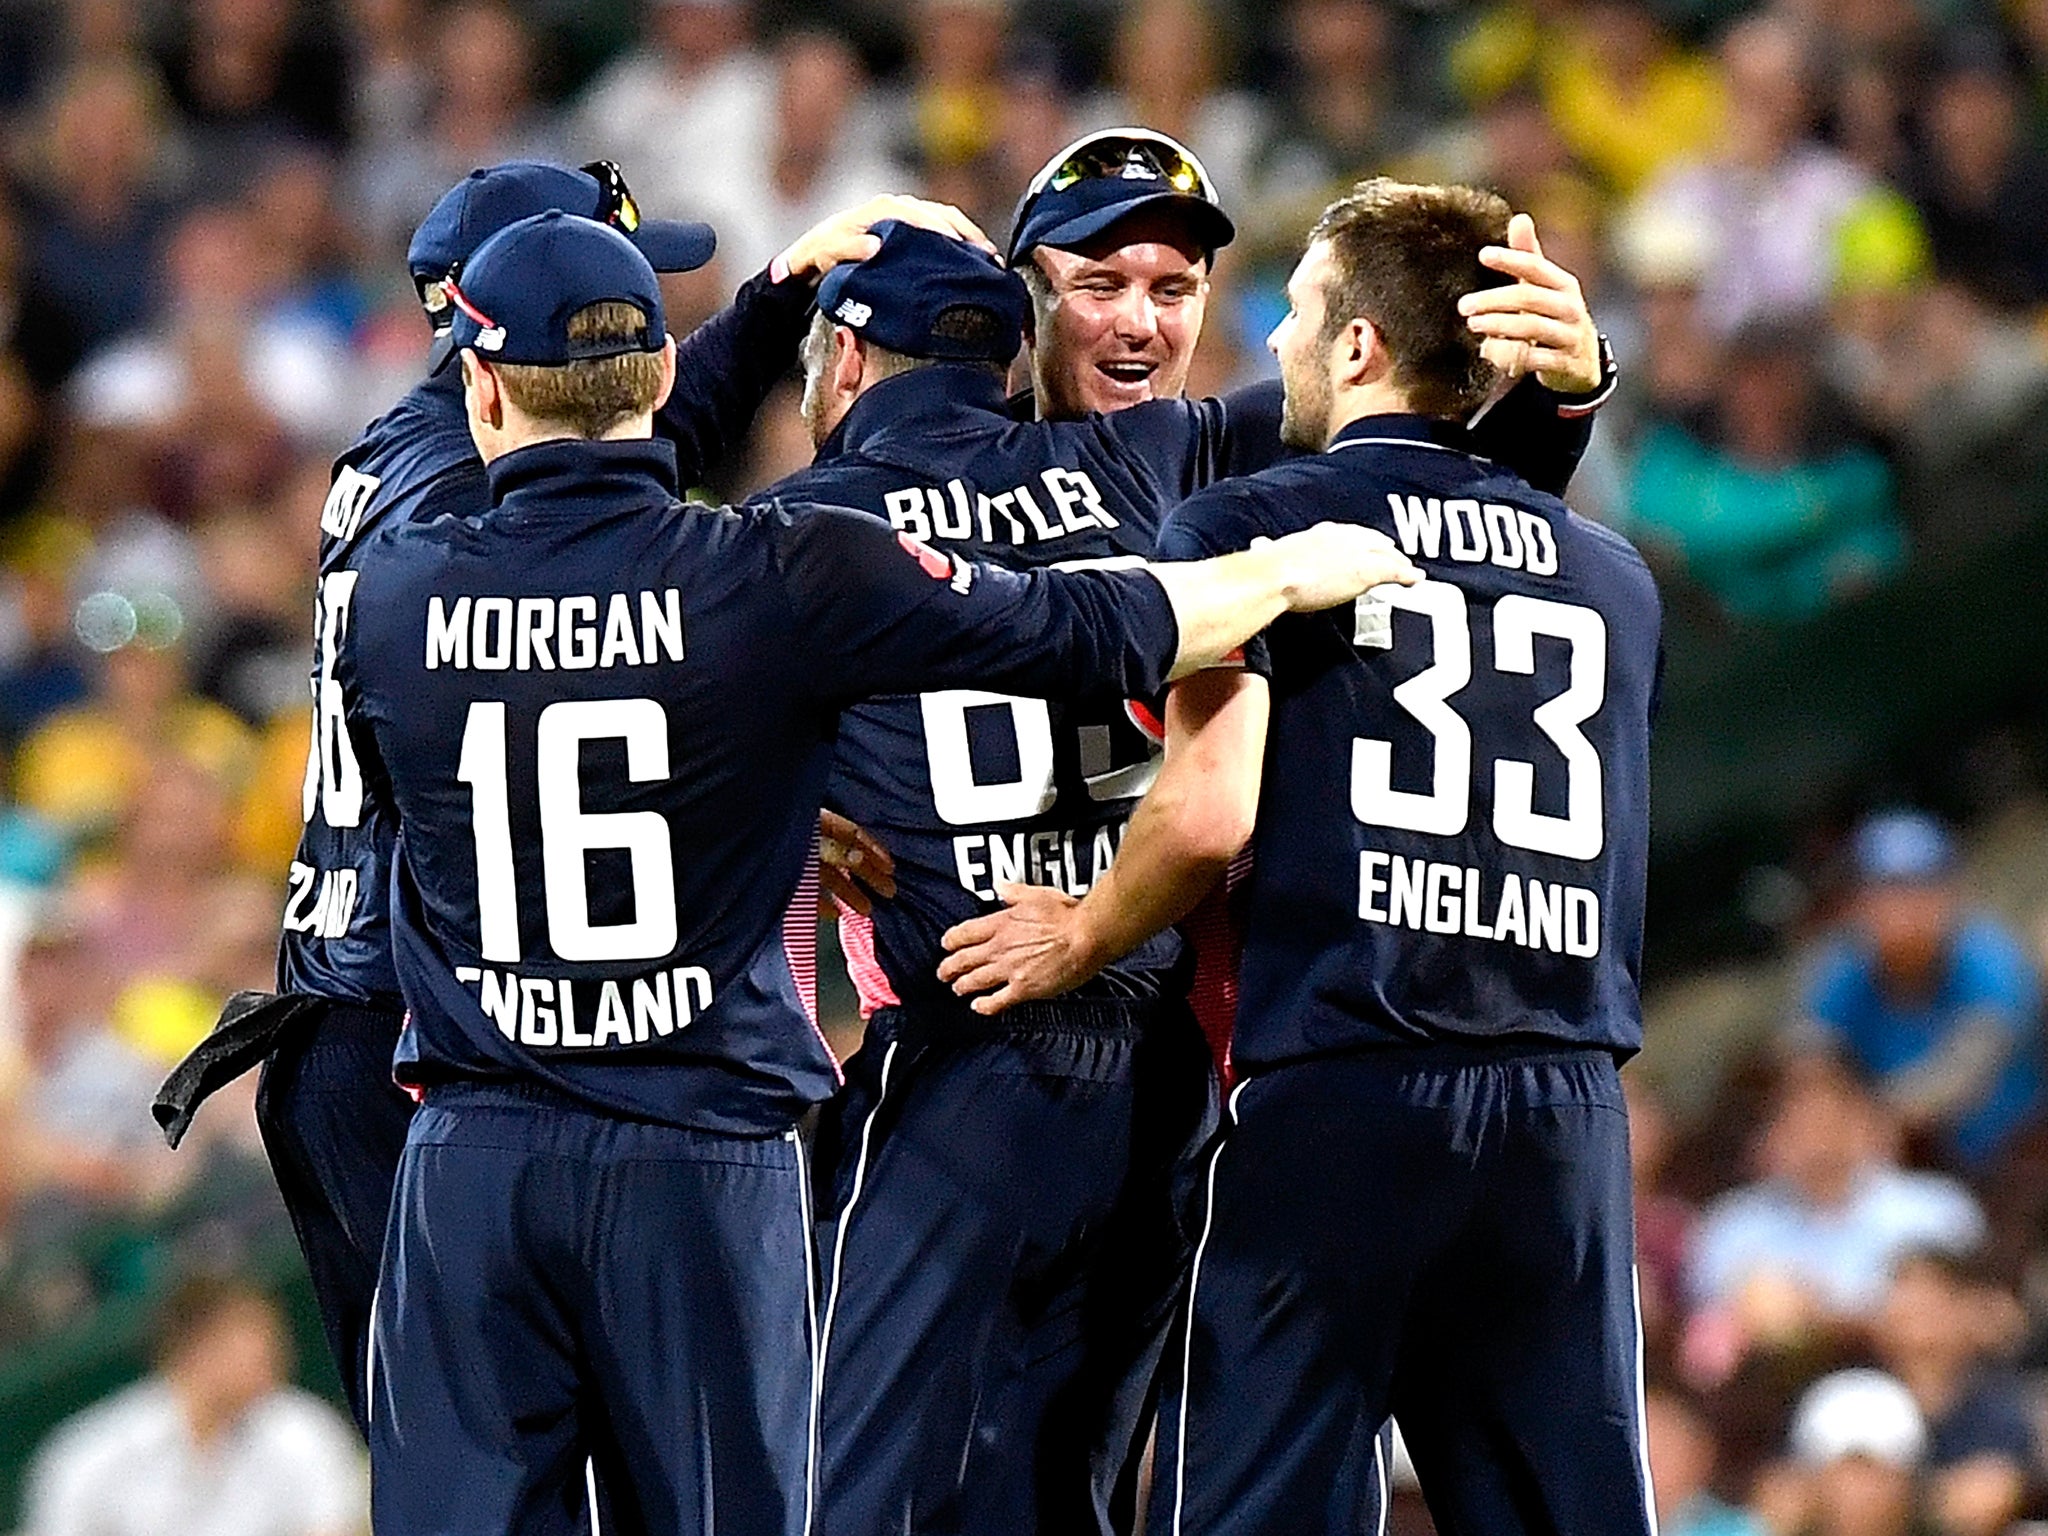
(1360, 355)
(481, 385)
(849, 363)
(668, 372)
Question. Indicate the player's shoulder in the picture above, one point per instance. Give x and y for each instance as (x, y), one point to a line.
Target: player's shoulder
(1609, 543)
(416, 462)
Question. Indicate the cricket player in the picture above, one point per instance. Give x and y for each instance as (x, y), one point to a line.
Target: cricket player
(332, 1120)
(1015, 1187)
(604, 719)
(1421, 1202)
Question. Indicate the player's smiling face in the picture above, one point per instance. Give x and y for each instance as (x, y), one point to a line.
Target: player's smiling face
(1119, 324)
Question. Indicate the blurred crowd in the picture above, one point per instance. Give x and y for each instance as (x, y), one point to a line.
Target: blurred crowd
(1816, 230)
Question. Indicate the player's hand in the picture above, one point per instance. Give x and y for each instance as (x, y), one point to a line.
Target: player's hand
(845, 235)
(1031, 949)
(850, 858)
(1332, 563)
(1539, 323)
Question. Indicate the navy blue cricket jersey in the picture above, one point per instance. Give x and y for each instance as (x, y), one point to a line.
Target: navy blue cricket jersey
(414, 463)
(1454, 824)
(970, 789)
(606, 717)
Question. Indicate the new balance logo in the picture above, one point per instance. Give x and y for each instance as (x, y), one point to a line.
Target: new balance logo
(854, 313)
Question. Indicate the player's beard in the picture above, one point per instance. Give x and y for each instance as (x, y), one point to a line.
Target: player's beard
(814, 407)
(1305, 411)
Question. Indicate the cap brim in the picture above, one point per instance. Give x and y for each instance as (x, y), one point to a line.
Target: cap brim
(674, 246)
(1210, 225)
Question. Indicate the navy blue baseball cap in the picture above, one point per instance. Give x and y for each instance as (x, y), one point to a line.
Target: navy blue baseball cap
(917, 294)
(487, 200)
(522, 285)
(1106, 176)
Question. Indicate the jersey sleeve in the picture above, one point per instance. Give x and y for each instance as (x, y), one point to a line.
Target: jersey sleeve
(1189, 444)
(1538, 433)
(1218, 521)
(726, 368)
(878, 612)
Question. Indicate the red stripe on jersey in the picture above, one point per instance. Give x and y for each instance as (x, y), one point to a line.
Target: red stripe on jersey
(800, 947)
(1217, 936)
(870, 981)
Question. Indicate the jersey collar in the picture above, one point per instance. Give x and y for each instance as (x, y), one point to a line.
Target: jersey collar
(576, 473)
(928, 396)
(1424, 431)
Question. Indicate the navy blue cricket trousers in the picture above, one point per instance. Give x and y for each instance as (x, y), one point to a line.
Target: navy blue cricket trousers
(1444, 1234)
(562, 1285)
(333, 1124)
(1005, 1266)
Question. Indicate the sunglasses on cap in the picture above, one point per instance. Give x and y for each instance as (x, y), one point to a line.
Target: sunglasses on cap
(616, 206)
(1080, 190)
(1125, 154)
(615, 203)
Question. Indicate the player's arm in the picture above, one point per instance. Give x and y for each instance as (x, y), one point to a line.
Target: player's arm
(726, 368)
(1183, 835)
(1538, 331)
(880, 613)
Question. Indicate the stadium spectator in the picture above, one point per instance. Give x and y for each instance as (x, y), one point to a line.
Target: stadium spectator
(1682, 1451)
(1982, 187)
(83, 766)
(696, 80)
(1811, 1245)
(1776, 509)
(213, 1442)
(1770, 201)
(1942, 1325)
(1857, 1445)
(1342, 114)
(38, 346)
(479, 109)
(74, 1143)
(307, 252)
(956, 53)
(1166, 72)
(826, 153)
(245, 78)
(96, 214)
(42, 666)
(249, 651)
(1626, 98)
(1953, 382)
(390, 81)
(1938, 1002)
(224, 373)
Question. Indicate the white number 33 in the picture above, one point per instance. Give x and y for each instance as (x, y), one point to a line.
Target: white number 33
(1445, 807)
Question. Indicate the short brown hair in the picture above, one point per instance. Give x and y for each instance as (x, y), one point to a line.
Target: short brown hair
(962, 322)
(1403, 256)
(592, 395)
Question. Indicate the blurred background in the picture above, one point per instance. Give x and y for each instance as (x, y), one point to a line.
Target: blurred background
(1817, 233)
